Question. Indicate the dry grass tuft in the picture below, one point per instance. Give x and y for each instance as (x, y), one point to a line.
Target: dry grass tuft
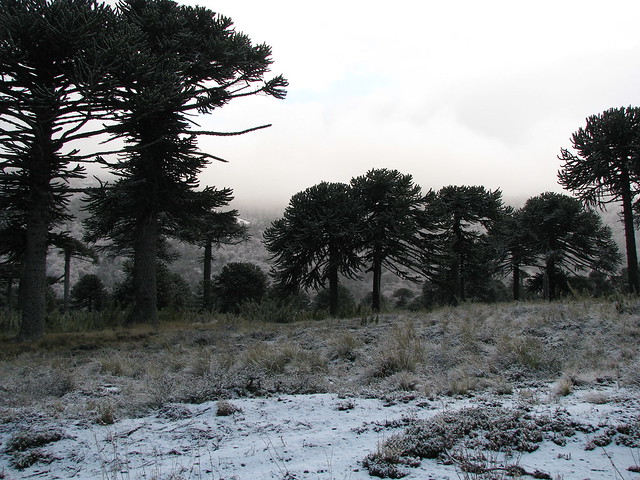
(450, 351)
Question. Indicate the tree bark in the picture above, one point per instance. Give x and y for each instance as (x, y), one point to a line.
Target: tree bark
(67, 270)
(333, 290)
(145, 309)
(516, 281)
(630, 239)
(377, 280)
(33, 280)
(206, 281)
(10, 294)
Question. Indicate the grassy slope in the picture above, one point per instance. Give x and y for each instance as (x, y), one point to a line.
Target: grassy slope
(102, 376)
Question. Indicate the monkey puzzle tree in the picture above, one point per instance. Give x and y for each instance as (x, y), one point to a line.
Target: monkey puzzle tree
(513, 241)
(70, 247)
(606, 168)
(89, 292)
(212, 227)
(239, 282)
(48, 71)
(316, 240)
(567, 236)
(181, 59)
(463, 216)
(393, 221)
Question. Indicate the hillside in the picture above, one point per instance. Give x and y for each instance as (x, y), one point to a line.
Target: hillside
(389, 373)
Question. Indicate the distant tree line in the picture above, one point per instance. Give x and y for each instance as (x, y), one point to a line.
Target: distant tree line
(459, 241)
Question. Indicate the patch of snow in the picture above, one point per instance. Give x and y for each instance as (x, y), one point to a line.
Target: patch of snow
(321, 436)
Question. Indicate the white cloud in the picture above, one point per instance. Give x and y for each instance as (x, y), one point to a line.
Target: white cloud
(461, 92)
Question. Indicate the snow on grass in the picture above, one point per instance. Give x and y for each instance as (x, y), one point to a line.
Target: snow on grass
(319, 436)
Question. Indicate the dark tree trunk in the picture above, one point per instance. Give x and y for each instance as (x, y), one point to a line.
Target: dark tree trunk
(333, 290)
(206, 281)
(145, 309)
(67, 270)
(516, 281)
(630, 239)
(549, 280)
(377, 280)
(458, 266)
(10, 294)
(33, 281)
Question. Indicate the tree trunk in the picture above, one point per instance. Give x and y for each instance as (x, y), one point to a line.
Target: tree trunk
(67, 270)
(145, 309)
(630, 239)
(549, 281)
(206, 281)
(10, 294)
(377, 280)
(33, 281)
(333, 291)
(516, 281)
(458, 266)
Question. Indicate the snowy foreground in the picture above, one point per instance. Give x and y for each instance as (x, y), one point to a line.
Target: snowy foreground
(318, 436)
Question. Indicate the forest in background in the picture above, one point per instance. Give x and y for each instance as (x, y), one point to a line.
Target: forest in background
(189, 258)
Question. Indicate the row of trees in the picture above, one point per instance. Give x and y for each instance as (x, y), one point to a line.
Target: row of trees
(460, 238)
(72, 70)
(459, 233)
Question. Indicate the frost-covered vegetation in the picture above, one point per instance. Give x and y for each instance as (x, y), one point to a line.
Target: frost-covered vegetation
(531, 351)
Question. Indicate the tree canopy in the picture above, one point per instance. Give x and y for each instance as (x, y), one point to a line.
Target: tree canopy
(567, 236)
(605, 169)
(393, 218)
(316, 240)
(462, 216)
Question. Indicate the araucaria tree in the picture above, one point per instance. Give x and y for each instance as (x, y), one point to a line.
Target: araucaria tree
(514, 242)
(567, 236)
(213, 227)
(460, 255)
(181, 59)
(48, 69)
(605, 169)
(316, 240)
(393, 222)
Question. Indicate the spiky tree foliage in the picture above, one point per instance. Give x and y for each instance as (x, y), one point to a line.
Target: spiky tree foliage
(605, 169)
(212, 227)
(463, 216)
(70, 247)
(393, 221)
(316, 240)
(89, 293)
(567, 237)
(181, 59)
(239, 282)
(49, 70)
(513, 243)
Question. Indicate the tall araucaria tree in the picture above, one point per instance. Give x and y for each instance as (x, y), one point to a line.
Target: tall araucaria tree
(316, 240)
(49, 70)
(213, 227)
(463, 215)
(181, 60)
(566, 236)
(393, 219)
(513, 239)
(606, 168)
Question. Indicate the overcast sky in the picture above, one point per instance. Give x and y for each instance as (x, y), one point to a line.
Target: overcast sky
(454, 93)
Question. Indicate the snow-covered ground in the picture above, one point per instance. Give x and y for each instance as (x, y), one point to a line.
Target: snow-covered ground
(320, 436)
